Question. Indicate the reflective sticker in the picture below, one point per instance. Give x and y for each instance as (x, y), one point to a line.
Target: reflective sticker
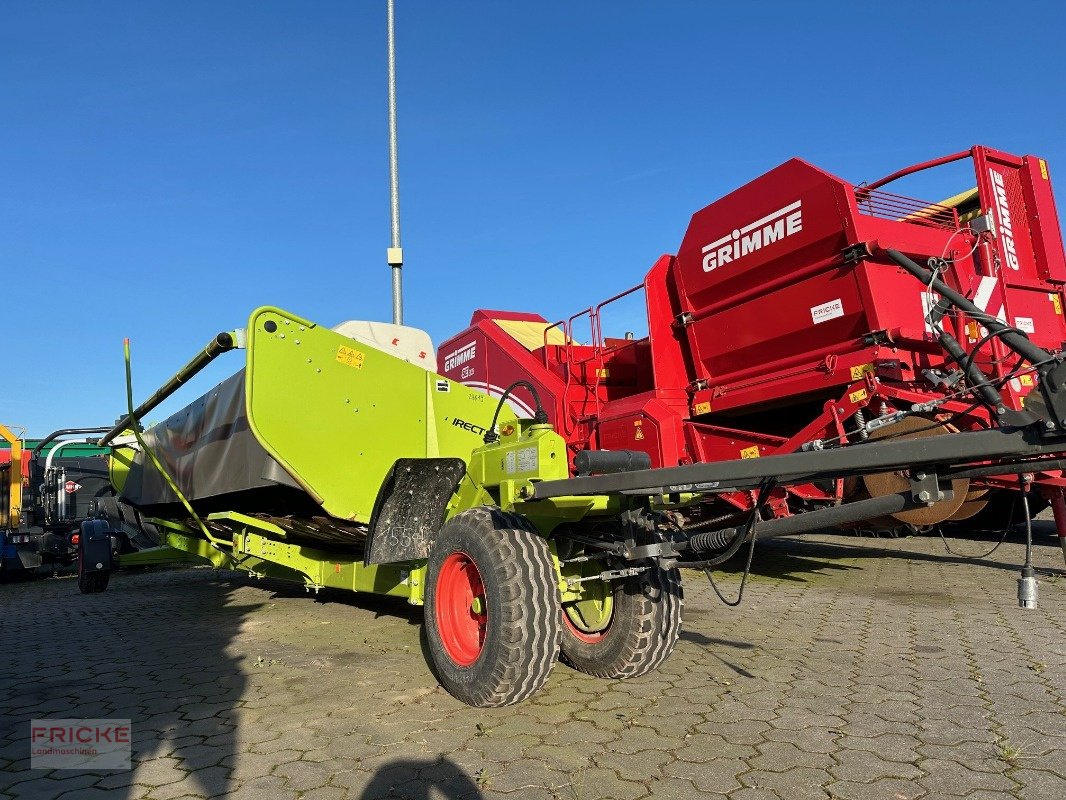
(702, 408)
(858, 372)
(858, 397)
(1025, 324)
(350, 357)
(750, 452)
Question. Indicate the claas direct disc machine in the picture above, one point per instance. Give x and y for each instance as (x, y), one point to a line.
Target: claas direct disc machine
(818, 355)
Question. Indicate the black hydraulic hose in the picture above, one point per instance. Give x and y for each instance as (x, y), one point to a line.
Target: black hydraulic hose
(988, 393)
(540, 416)
(937, 312)
(972, 356)
(47, 440)
(1012, 337)
(824, 518)
(222, 343)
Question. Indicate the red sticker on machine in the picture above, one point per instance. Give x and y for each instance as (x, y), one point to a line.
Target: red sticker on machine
(71, 487)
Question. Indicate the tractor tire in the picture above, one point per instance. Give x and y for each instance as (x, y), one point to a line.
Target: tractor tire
(645, 618)
(492, 608)
(93, 582)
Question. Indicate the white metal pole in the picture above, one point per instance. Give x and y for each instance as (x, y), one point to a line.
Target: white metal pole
(395, 252)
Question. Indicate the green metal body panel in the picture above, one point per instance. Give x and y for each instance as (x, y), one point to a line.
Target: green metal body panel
(337, 414)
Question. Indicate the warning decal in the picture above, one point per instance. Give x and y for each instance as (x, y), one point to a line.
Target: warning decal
(350, 357)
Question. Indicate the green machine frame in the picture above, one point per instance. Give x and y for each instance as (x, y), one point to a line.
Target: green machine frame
(339, 415)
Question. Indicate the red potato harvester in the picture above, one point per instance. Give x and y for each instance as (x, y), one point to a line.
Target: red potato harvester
(804, 313)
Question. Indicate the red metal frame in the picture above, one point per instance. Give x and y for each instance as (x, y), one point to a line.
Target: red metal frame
(763, 337)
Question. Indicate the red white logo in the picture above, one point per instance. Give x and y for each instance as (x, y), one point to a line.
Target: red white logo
(460, 356)
(71, 487)
(1006, 232)
(771, 228)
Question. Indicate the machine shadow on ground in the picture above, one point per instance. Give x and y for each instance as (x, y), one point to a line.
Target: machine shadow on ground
(176, 676)
(968, 546)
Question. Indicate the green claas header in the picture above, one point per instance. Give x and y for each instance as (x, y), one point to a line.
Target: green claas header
(339, 458)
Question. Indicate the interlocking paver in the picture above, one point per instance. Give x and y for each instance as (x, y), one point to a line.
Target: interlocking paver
(855, 669)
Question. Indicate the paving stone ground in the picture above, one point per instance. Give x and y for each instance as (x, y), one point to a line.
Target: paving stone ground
(856, 668)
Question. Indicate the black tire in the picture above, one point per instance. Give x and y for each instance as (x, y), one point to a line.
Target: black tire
(520, 625)
(1004, 510)
(645, 619)
(92, 582)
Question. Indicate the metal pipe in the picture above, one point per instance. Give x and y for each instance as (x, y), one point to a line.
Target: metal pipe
(936, 162)
(395, 253)
(1017, 468)
(222, 343)
(1016, 341)
(603, 462)
(47, 440)
(875, 456)
(836, 515)
(57, 448)
(812, 521)
(974, 374)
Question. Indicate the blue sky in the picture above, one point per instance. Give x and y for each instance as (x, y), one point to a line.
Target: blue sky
(167, 167)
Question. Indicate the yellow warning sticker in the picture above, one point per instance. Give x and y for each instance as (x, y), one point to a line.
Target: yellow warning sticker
(858, 372)
(750, 452)
(603, 372)
(1026, 380)
(702, 408)
(350, 357)
(1055, 301)
(858, 397)
(1043, 169)
(638, 434)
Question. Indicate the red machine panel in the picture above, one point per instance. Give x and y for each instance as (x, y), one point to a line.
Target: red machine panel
(782, 321)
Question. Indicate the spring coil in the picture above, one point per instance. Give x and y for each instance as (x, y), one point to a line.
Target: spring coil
(709, 541)
(860, 424)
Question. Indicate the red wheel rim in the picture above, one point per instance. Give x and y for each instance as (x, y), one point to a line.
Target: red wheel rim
(462, 617)
(594, 637)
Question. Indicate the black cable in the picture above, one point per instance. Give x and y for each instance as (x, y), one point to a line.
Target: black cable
(749, 531)
(1002, 538)
(968, 362)
(540, 416)
(1028, 523)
